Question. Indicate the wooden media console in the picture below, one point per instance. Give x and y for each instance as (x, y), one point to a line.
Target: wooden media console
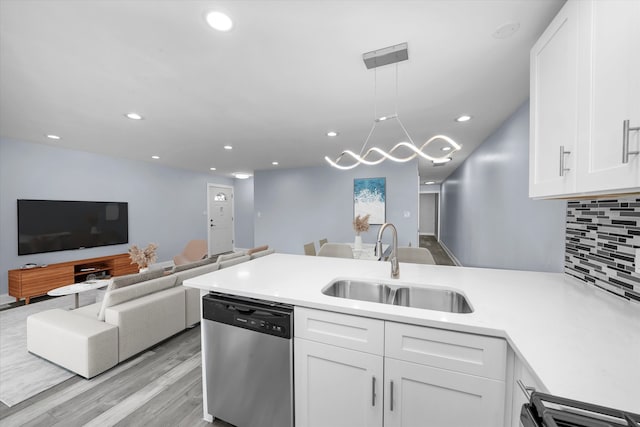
(31, 282)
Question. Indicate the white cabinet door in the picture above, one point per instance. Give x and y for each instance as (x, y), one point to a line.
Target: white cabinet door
(521, 373)
(422, 396)
(610, 79)
(336, 386)
(554, 107)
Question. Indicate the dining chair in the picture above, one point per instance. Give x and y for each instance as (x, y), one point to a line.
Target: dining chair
(415, 255)
(310, 249)
(336, 250)
(322, 242)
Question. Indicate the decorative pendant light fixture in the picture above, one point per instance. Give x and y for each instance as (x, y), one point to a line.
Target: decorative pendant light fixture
(374, 59)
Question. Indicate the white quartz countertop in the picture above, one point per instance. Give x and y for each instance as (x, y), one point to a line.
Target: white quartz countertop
(581, 342)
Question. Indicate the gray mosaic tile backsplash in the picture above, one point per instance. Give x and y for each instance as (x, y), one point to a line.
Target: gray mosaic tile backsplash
(601, 240)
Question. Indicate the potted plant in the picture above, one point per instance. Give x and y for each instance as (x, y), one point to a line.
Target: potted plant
(360, 224)
(143, 257)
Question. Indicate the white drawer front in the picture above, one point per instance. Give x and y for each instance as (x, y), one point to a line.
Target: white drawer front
(343, 330)
(456, 351)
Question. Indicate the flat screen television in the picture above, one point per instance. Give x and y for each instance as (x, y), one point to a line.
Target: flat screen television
(60, 225)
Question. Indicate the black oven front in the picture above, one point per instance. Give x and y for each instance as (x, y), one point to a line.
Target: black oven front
(545, 410)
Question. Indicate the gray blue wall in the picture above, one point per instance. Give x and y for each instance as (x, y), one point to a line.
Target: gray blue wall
(166, 206)
(296, 206)
(488, 219)
(243, 213)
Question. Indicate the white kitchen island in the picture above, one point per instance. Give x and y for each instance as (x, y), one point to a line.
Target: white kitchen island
(578, 341)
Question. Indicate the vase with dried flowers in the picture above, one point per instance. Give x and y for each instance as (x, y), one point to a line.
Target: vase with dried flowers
(143, 257)
(360, 224)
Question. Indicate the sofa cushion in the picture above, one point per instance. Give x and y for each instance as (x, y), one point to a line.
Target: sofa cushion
(262, 253)
(145, 321)
(194, 264)
(85, 346)
(137, 290)
(232, 255)
(193, 272)
(130, 279)
(234, 261)
(257, 249)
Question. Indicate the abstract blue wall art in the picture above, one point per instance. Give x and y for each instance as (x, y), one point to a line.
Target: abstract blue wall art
(369, 197)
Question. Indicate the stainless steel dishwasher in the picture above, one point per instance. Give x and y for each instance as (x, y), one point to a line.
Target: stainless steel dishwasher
(248, 357)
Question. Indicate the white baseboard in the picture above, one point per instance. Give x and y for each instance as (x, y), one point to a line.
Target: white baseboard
(451, 255)
(6, 299)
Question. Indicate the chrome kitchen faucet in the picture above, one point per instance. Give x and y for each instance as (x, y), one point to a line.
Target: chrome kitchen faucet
(393, 258)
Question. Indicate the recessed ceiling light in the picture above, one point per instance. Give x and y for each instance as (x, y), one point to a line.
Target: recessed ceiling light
(463, 118)
(443, 161)
(155, 157)
(332, 133)
(447, 148)
(219, 21)
(133, 116)
(430, 182)
(506, 30)
(212, 169)
(51, 136)
(228, 147)
(275, 163)
(241, 175)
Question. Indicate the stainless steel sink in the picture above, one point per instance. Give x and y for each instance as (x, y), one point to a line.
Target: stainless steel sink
(362, 291)
(402, 295)
(432, 299)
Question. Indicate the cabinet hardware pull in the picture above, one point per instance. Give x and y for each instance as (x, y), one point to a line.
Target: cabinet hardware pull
(391, 397)
(373, 391)
(562, 154)
(526, 390)
(626, 129)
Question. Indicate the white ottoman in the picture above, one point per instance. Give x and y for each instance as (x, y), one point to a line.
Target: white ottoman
(78, 343)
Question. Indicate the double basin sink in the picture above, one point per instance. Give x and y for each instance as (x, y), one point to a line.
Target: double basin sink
(401, 295)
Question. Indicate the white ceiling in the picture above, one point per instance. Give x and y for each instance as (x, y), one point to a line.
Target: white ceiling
(288, 72)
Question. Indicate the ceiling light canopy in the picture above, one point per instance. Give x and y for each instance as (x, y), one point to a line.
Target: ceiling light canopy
(403, 151)
(219, 21)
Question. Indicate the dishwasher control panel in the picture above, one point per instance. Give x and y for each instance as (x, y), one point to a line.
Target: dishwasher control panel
(261, 316)
(252, 323)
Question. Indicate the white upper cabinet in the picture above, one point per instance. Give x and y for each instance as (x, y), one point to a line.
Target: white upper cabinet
(584, 85)
(610, 83)
(554, 109)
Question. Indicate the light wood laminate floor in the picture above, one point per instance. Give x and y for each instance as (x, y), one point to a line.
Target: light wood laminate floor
(159, 387)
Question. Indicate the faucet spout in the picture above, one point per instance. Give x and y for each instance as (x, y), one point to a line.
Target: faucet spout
(393, 258)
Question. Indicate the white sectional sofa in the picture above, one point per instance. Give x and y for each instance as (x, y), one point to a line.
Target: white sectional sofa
(136, 312)
(91, 339)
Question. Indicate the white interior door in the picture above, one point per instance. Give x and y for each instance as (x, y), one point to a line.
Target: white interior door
(220, 214)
